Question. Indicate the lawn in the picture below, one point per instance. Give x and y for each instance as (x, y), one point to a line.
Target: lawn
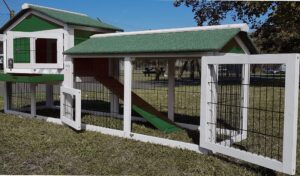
(30, 146)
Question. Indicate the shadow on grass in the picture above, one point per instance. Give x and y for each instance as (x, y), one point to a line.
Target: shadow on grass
(250, 167)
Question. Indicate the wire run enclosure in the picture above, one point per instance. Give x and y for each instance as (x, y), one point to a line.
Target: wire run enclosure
(243, 106)
(249, 108)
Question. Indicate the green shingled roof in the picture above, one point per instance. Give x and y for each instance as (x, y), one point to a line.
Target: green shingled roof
(72, 18)
(64, 17)
(173, 42)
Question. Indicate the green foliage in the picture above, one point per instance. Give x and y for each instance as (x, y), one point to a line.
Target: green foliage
(276, 24)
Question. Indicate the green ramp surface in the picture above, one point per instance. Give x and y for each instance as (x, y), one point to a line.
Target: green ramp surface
(156, 121)
(140, 106)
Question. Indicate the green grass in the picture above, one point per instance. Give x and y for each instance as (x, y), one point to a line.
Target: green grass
(30, 146)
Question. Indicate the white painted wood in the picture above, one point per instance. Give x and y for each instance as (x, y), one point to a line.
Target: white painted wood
(67, 109)
(127, 94)
(33, 99)
(246, 156)
(26, 6)
(205, 109)
(171, 88)
(68, 61)
(50, 34)
(167, 142)
(4, 53)
(291, 115)
(244, 90)
(243, 27)
(288, 163)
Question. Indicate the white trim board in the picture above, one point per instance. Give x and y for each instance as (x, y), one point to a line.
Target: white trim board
(244, 27)
(27, 6)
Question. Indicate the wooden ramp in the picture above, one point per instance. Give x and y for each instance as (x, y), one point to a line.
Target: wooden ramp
(140, 106)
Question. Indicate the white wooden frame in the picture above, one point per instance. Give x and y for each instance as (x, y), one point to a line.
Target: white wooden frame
(288, 163)
(57, 34)
(76, 124)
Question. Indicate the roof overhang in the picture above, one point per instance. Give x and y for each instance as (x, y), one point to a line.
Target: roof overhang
(181, 42)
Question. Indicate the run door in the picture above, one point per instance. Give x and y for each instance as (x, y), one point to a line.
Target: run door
(70, 108)
(249, 108)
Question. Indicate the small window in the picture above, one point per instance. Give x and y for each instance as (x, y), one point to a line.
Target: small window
(46, 50)
(21, 50)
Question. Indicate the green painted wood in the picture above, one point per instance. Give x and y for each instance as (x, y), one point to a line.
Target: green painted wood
(236, 49)
(33, 23)
(21, 50)
(81, 36)
(44, 78)
(156, 121)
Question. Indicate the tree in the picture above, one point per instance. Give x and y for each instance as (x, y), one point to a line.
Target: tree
(276, 24)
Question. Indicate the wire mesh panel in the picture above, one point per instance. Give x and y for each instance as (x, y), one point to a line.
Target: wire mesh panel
(48, 100)
(96, 104)
(246, 106)
(150, 99)
(19, 97)
(187, 91)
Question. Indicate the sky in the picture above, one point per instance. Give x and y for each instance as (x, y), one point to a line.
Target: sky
(131, 15)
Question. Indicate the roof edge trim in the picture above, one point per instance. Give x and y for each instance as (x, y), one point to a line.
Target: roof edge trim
(27, 6)
(243, 27)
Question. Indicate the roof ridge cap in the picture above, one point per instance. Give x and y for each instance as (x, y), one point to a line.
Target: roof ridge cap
(243, 27)
(27, 6)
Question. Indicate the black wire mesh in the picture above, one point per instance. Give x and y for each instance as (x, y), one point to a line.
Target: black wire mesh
(187, 91)
(19, 97)
(96, 102)
(265, 109)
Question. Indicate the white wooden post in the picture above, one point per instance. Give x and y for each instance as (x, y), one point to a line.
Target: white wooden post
(49, 95)
(32, 51)
(290, 115)
(171, 88)
(205, 108)
(127, 94)
(33, 99)
(245, 100)
(68, 61)
(214, 99)
(114, 72)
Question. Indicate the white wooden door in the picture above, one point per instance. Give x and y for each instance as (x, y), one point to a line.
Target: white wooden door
(251, 114)
(70, 107)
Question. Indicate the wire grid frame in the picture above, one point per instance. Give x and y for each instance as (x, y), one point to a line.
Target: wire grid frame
(19, 97)
(265, 109)
(150, 82)
(44, 109)
(187, 90)
(45, 50)
(96, 102)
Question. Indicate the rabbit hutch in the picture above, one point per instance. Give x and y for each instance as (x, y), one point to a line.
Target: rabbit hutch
(204, 89)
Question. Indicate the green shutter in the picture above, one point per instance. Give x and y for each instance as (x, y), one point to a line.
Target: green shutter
(81, 36)
(21, 50)
(33, 23)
